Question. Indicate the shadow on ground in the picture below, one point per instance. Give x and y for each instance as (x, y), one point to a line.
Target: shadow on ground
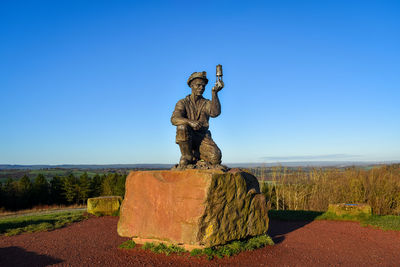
(278, 229)
(283, 222)
(16, 256)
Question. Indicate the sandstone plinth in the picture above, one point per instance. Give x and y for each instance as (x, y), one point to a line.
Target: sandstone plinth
(197, 208)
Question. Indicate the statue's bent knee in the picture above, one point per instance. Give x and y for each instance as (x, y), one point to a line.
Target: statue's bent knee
(182, 133)
(210, 152)
(216, 156)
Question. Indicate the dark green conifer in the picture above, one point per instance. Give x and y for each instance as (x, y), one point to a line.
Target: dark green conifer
(57, 195)
(84, 188)
(10, 192)
(95, 186)
(25, 193)
(41, 190)
(71, 188)
(120, 186)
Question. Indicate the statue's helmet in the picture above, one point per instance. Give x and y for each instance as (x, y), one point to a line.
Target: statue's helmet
(195, 75)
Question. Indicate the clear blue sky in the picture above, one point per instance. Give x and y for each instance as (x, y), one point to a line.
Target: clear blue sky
(95, 82)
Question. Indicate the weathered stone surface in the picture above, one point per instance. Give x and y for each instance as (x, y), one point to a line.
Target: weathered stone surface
(350, 209)
(192, 207)
(108, 205)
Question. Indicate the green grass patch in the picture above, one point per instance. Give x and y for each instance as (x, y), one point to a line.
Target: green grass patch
(388, 222)
(162, 248)
(226, 250)
(130, 244)
(37, 223)
(234, 247)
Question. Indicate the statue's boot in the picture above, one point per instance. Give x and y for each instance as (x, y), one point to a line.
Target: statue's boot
(186, 151)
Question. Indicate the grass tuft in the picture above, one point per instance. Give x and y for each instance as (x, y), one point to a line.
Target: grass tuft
(130, 244)
(196, 252)
(234, 247)
(258, 242)
(162, 248)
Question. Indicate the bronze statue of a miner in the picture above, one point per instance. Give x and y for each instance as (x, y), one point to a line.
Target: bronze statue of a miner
(191, 116)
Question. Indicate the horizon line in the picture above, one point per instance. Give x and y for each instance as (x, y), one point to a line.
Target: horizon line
(249, 162)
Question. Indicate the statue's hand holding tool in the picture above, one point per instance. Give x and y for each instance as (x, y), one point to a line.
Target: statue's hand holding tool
(196, 125)
(218, 86)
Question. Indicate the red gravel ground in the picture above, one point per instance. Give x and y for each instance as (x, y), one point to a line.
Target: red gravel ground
(94, 242)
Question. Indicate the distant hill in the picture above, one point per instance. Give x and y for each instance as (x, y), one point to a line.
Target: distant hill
(87, 166)
(311, 164)
(168, 166)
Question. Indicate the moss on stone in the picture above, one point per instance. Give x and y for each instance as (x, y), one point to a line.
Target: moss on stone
(235, 209)
(101, 206)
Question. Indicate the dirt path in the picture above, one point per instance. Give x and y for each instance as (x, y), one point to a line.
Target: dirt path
(94, 242)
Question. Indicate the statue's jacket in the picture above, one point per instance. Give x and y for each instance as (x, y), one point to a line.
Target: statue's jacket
(201, 111)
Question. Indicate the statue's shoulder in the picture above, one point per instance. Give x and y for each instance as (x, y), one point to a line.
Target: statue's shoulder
(206, 100)
(183, 101)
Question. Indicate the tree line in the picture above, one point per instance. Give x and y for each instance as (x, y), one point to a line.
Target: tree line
(60, 190)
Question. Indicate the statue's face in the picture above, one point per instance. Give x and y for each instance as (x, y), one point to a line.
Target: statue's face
(198, 86)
